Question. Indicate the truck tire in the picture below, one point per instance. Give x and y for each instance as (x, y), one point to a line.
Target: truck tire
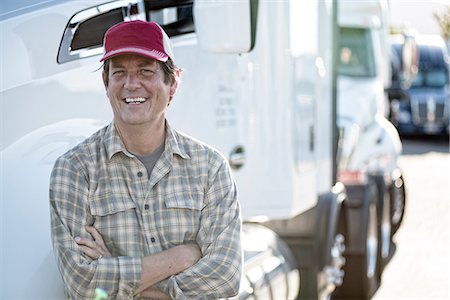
(362, 267)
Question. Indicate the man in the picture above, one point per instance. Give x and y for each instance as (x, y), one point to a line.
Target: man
(139, 208)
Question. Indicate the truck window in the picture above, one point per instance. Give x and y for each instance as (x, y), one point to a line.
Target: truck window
(83, 36)
(90, 32)
(356, 56)
(433, 71)
(437, 78)
(175, 16)
(419, 80)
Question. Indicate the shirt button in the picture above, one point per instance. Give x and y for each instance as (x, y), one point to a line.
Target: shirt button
(139, 174)
(146, 206)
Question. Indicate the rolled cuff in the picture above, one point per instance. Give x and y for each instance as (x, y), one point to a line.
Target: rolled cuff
(130, 275)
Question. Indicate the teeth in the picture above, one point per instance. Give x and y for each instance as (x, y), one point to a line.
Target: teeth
(135, 100)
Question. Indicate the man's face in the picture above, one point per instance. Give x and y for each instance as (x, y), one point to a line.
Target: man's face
(137, 92)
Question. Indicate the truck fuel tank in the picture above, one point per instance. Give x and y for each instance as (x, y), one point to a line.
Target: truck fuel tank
(270, 270)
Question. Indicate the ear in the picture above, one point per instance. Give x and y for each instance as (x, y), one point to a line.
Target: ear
(174, 85)
(105, 79)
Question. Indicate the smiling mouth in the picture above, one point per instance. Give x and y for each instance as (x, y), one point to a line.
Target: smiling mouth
(135, 100)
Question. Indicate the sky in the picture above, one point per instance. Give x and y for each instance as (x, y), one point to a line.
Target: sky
(418, 14)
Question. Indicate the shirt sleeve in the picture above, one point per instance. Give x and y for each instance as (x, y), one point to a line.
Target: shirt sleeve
(217, 274)
(118, 276)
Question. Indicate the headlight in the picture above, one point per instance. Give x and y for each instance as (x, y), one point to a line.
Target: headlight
(403, 116)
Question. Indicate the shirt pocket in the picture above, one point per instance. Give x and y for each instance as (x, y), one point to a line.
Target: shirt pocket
(180, 219)
(116, 220)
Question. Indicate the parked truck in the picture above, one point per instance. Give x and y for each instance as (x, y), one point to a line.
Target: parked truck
(423, 105)
(258, 84)
(368, 160)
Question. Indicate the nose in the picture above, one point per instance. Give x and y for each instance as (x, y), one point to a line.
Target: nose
(132, 82)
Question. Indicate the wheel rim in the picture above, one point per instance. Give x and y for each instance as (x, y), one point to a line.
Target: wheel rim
(337, 258)
(386, 227)
(372, 241)
(334, 271)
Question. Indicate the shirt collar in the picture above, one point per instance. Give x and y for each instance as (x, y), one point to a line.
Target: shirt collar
(114, 144)
(173, 142)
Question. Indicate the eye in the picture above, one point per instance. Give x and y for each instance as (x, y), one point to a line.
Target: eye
(118, 72)
(147, 72)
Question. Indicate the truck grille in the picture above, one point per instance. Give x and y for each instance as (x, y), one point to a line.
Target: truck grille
(427, 109)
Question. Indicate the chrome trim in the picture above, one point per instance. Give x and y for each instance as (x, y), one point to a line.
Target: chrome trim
(237, 157)
(429, 110)
(372, 241)
(66, 54)
(334, 271)
(270, 269)
(386, 226)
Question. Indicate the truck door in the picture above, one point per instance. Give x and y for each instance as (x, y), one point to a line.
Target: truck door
(206, 103)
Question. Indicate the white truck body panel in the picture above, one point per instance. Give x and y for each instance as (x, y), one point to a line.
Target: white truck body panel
(224, 38)
(254, 108)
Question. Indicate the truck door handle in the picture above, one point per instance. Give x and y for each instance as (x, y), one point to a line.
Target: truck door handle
(237, 157)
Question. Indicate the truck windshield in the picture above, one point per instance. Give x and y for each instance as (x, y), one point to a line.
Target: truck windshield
(356, 56)
(431, 78)
(433, 70)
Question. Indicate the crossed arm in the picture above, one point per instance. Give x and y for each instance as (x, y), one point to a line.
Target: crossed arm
(182, 271)
(155, 268)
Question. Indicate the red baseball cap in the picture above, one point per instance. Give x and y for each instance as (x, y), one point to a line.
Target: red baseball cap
(137, 37)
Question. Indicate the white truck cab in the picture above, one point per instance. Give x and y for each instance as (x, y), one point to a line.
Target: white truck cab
(258, 84)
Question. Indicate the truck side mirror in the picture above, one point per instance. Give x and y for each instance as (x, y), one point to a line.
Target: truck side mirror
(410, 60)
(226, 26)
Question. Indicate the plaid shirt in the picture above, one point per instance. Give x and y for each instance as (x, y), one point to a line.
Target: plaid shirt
(189, 197)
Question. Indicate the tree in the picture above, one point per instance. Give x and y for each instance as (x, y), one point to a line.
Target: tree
(443, 20)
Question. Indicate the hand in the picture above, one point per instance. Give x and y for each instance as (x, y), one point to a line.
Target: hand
(95, 248)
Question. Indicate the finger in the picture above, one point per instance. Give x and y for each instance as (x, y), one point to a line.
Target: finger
(98, 240)
(93, 254)
(86, 242)
(96, 235)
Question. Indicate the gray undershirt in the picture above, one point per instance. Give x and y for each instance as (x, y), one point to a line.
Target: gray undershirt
(150, 160)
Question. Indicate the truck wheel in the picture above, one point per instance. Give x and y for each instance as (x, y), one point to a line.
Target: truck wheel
(362, 268)
(398, 197)
(334, 272)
